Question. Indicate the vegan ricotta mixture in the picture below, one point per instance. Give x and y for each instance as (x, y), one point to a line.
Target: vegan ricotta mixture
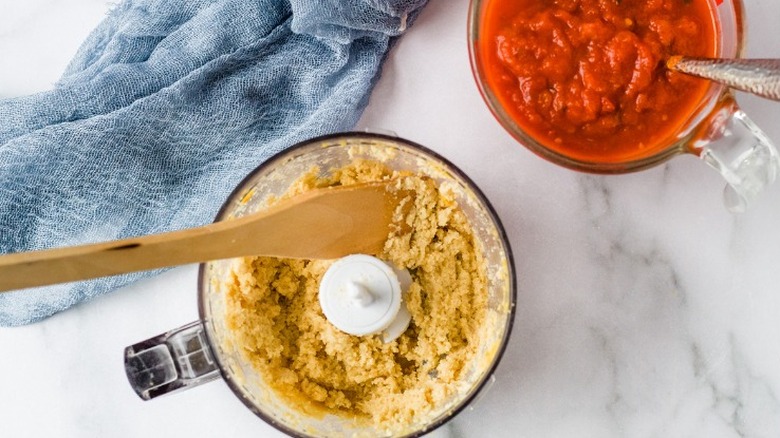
(274, 313)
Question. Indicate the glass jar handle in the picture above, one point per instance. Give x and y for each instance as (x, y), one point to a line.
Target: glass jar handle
(175, 360)
(738, 149)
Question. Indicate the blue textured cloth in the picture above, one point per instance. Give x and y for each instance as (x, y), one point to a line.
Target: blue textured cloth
(166, 106)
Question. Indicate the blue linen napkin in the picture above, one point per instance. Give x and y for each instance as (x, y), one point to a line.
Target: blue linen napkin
(166, 106)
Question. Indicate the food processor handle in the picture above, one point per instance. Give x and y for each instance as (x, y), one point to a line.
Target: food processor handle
(175, 360)
(738, 149)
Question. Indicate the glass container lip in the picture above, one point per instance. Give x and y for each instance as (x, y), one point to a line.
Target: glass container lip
(234, 387)
(631, 165)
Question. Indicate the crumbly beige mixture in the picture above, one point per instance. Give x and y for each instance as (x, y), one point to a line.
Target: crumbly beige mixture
(273, 309)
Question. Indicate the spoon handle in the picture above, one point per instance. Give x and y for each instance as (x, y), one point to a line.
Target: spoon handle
(757, 76)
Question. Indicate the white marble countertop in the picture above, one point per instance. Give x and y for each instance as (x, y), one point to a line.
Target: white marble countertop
(645, 309)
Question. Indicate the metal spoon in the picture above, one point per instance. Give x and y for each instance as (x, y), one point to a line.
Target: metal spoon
(757, 76)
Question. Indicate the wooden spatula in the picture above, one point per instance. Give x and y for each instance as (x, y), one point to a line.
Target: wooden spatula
(320, 224)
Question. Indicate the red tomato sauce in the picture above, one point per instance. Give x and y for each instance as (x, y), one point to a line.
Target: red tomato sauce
(587, 77)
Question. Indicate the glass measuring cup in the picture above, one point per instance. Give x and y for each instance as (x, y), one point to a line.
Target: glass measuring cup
(717, 130)
(206, 350)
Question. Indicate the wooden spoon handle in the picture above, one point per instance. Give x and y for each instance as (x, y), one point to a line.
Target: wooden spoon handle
(324, 223)
(61, 265)
(757, 76)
